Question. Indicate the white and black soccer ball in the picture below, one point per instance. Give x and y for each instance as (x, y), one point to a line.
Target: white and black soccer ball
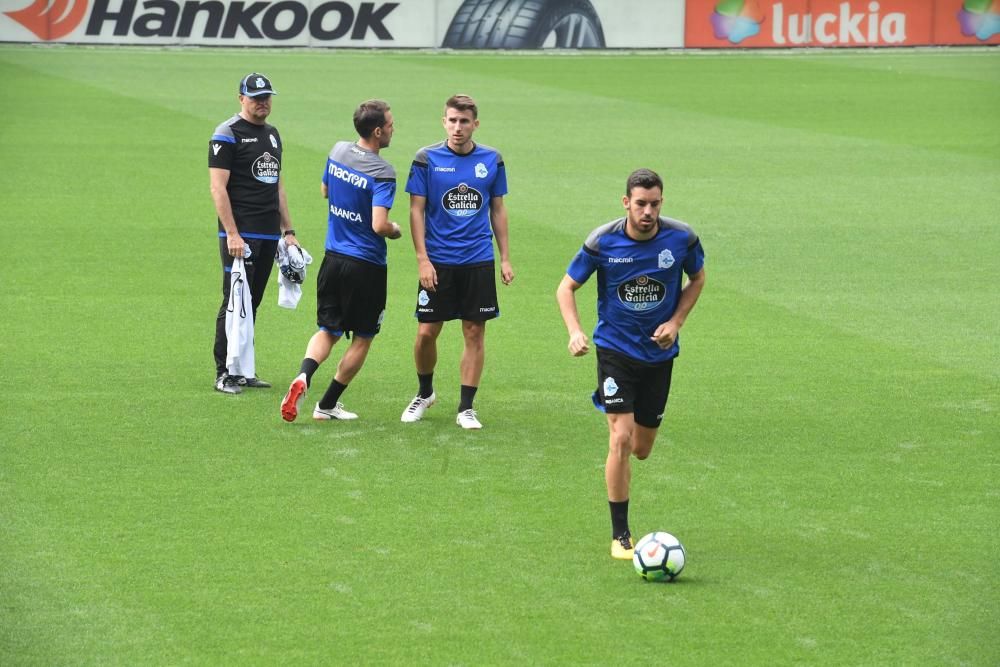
(659, 556)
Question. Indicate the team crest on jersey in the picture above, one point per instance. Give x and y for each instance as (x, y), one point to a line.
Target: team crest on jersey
(666, 259)
(266, 168)
(641, 293)
(274, 142)
(610, 386)
(422, 298)
(481, 170)
(462, 201)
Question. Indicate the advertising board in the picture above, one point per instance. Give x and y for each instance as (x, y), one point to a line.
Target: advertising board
(840, 23)
(459, 24)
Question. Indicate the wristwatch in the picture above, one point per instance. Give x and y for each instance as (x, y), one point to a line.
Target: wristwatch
(288, 231)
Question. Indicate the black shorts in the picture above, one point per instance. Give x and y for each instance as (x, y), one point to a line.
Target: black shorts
(626, 385)
(467, 291)
(350, 295)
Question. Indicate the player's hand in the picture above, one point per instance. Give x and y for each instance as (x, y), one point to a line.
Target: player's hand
(506, 273)
(428, 276)
(665, 335)
(579, 345)
(396, 231)
(235, 244)
(291, 240)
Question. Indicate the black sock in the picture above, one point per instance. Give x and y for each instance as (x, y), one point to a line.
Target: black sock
(426, 384)
(468, 394)
(332, 395)
(619, 518)
(309, 366)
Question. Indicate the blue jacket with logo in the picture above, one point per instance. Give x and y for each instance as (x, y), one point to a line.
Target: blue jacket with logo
(356, 180)
(638, 283)
(459, 189)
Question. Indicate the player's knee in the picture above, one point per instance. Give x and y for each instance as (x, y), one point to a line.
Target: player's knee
(426, 337)
(474, 332)
(643, 445)
(620, 443)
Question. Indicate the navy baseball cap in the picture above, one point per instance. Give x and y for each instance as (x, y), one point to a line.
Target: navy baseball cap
(255, 84)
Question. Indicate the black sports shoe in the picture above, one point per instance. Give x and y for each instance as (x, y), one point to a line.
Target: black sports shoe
(253, 383)
(227, 384)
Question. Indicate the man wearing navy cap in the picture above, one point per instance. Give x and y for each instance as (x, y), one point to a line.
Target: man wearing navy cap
(244, 168)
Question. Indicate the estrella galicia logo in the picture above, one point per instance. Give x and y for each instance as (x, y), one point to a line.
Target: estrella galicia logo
(666, 259)
(481, 170)
(266, 168)
(641, 293)
(422, 298)
(610, 386)
(462, 201)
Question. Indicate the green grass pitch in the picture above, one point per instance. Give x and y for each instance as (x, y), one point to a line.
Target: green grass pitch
(830, 452)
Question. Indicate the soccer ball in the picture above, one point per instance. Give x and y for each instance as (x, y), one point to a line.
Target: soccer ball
(659, 556)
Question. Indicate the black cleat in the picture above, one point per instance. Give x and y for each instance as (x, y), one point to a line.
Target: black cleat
(227, 384)
(253, 383)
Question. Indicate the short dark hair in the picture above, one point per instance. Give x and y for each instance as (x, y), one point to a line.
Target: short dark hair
(462, 103)
(370, 115)
(643, 178)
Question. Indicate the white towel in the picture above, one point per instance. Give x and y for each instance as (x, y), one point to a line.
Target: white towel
(239, 324)
(292, 261)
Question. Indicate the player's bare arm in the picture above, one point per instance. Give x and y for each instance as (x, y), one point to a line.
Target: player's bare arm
(381, 224)
(218, 180)
(425, 269)
(285, 223)
(579, 344)
(498, 220)
(666, 334)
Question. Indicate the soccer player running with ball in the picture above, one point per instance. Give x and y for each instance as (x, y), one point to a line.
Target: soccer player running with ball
(456, 208)
(642, 302)
(359, 187)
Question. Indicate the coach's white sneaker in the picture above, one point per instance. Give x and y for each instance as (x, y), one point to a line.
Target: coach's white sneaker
(467, 419)
(414, 412)
(336, 412)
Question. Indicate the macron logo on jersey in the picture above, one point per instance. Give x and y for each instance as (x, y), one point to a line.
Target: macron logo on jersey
(216, 148)
(347, 176)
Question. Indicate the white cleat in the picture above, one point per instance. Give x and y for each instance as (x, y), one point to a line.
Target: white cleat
(414, 412)
(467, 419)
(336, 412)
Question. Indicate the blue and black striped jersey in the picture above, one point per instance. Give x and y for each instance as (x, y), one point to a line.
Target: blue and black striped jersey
(638, 283)
(356, 180)
(459, 189)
